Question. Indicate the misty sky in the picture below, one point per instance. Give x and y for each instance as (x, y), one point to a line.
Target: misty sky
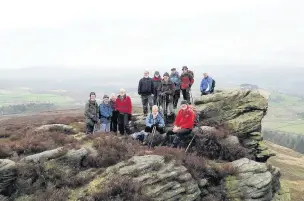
(149, 33)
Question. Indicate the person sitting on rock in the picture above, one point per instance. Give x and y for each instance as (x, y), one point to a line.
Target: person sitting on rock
(124, 107)
(91, 113)
(183, 124)
(105, 114)
(156, 120)
(206, 85)
(166, 90)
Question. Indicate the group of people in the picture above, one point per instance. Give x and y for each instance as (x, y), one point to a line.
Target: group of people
(116, 111)
(165, 90)
(113, 112)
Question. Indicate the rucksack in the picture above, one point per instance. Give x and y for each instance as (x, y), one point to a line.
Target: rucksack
(191, 73)
(212, 86)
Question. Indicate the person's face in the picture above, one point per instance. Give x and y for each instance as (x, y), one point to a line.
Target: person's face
(113, 98)
(184, 70)
(205, 75)
(173, 71)
(183, 106)
(92, 97)
(122, 93)
(154, 110)
(146, 74)
(106, 100)
(157, 75)
(166, 78)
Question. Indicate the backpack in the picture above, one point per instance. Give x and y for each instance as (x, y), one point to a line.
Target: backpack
(212, 86)
(191, 73)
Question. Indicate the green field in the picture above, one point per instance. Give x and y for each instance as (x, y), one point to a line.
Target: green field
(23, 96)
(285, 113)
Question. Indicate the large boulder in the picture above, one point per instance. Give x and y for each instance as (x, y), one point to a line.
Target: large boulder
(7, 176)
(160, 179)
(240, 112)
(253, 181)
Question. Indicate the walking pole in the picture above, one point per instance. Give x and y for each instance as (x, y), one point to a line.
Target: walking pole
(191, 96)
(153, 133)
(190, 143)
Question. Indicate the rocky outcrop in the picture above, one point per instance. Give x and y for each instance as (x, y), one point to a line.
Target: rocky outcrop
(240, 112)
(58, 127)
(7, 175)
(253, 181)
(160, 180)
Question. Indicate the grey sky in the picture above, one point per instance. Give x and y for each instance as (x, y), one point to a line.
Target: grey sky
(141, 33)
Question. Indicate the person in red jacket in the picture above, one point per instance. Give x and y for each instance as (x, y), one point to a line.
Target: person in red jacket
(186, 80)
(123, 105)
(183, 125)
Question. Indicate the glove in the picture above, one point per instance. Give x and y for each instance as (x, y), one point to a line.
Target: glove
(190, 85)
(95, 119)
(129, 117)
(109, 117)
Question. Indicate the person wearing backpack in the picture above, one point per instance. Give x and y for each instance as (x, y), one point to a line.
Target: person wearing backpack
(145, 90)
(105, 114)
(206, 85)
(186, 80)
(155, 119)
(91, 113)
(174, 77)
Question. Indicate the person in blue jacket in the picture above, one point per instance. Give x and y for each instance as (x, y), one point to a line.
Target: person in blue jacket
(105, 114)
(206, 84)
(155, 119)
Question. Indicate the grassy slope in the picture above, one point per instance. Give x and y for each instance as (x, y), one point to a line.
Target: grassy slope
(25, 96)
(282, 114)
(291, 165)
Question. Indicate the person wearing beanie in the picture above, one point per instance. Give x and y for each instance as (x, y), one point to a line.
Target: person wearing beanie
(166, 91)
(186, 80)
(183, 124)
(146, 90)
(156, 82)
(175, 78)
(91, 113)
(105, 113)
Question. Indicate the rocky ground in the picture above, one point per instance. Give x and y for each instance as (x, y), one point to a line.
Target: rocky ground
(49, 158)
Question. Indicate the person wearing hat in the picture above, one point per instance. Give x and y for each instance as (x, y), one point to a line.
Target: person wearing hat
(186, 79)
(105, 113)
(145, 90)
(166, 91)
(91, 113)
(156, 82)
(183, 124)
(174, 77)
(124, 107)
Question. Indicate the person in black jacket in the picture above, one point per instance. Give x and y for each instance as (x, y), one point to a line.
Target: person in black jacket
(166, 92)
(156, 82)
(146, 90)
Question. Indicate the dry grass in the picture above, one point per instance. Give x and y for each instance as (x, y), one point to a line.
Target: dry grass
(291, 165)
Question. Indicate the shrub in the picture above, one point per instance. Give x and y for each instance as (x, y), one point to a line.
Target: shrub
(121, 189)
(210, 146)
(111, 150)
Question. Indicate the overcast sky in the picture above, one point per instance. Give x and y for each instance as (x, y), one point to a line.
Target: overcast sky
(149, 33)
